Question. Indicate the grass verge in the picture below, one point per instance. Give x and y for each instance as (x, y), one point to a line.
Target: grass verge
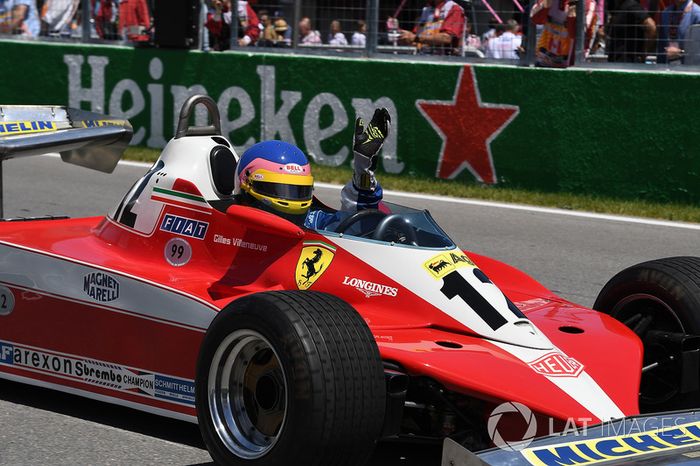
(637, 208)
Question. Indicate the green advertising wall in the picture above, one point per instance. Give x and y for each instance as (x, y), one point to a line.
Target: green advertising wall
(620, 134)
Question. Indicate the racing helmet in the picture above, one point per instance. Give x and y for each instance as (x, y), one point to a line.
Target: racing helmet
(276, 176)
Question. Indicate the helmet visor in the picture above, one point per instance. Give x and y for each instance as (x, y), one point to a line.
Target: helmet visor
(289, 192)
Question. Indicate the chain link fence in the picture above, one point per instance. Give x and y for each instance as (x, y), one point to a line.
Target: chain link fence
(629, 33)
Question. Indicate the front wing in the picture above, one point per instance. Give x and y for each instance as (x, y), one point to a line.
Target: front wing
(660, 439)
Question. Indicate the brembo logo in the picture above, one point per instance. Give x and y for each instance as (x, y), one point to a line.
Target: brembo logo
(370, 289)
(557, 365)
(101, 287)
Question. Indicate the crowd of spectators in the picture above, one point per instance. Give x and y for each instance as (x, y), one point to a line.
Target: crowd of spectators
(266, 29)
(111, 19)
(631, 31)
(619, 30)
(441, 29)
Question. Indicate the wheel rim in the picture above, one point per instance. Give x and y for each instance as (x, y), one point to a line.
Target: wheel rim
(247, 394)
(642, 313)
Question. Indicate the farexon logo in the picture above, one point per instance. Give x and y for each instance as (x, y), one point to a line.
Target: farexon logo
(101, 287)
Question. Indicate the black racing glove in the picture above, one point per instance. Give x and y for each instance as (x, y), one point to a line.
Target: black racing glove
(367, 143)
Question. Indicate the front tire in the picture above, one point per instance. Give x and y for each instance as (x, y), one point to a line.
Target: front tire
(290, 378)
(661, 296)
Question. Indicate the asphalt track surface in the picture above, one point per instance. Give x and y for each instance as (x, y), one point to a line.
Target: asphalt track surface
(572, 255)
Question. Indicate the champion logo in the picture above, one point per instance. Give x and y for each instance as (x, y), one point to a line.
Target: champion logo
(557, 365)
(98, 373)
(370, 289)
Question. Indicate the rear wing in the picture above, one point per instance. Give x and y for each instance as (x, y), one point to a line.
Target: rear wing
(82, 138)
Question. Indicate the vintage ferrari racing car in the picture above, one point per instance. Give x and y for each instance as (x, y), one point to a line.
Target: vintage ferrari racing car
(294, 346)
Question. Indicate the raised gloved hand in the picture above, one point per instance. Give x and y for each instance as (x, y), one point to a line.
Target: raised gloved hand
(367, 143)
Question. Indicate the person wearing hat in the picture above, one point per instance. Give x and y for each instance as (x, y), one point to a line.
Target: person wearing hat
(283, 33)
(274, 30)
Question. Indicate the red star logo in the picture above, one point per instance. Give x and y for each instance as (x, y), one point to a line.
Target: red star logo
(467, 126)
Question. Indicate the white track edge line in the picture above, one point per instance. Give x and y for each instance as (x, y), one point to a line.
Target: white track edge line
(529, 208)
(497, 205)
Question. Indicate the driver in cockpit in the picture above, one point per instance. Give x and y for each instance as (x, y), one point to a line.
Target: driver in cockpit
(276, 176)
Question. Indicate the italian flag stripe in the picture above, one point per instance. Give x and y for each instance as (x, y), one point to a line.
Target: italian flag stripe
(168, 192)
(184, 205)
(319, 244)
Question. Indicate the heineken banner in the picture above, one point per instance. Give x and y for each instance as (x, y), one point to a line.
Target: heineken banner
(622, 134)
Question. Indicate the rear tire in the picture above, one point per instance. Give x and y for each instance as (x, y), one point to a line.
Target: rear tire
(659, 295)
(290, 378)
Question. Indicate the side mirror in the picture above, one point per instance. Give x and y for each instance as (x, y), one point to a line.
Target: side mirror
(260, 220)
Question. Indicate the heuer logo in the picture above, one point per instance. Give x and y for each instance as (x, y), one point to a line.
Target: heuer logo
(370, 289)
(293, 168)
(557, 365)
(101, 287)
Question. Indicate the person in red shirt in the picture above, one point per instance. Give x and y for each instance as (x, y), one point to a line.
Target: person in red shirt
(104, 19)
(440, 29)
(134, 20)
(219, 25)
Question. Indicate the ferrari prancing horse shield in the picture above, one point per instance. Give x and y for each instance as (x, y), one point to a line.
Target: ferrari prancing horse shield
(313, 261)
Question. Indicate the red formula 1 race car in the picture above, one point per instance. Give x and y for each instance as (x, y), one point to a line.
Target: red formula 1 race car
(293, 346)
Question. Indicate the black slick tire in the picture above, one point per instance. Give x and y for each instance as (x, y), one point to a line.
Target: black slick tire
(332, 372)
(659, 295)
